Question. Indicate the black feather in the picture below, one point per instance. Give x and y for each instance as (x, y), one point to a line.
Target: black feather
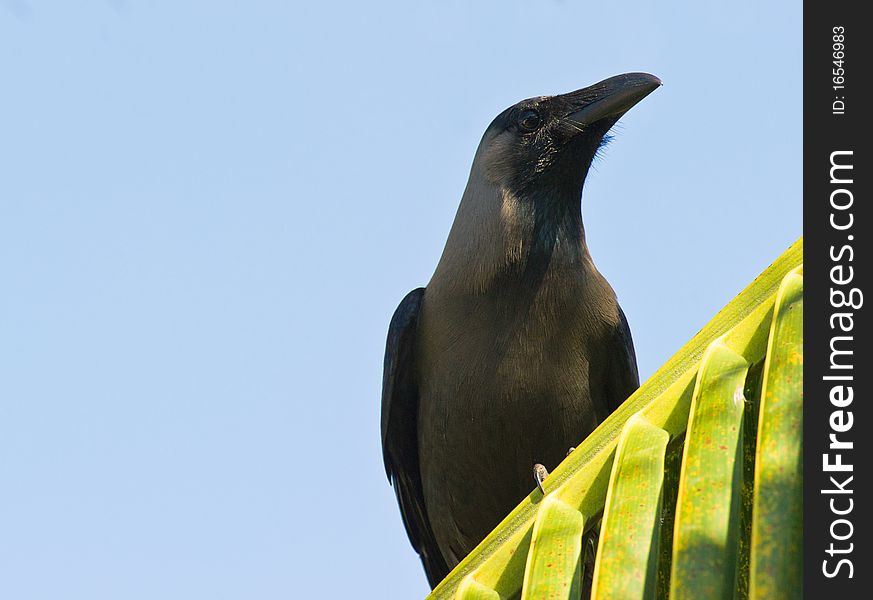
(400, 434)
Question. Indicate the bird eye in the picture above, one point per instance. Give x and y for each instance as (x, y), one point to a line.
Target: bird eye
(529, 120)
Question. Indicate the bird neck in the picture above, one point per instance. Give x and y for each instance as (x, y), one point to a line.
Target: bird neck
(499, 234)
(553, 223)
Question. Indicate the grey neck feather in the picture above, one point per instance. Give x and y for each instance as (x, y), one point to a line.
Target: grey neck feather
(497, 232)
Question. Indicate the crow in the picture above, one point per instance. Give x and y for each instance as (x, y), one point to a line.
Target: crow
(517, 348)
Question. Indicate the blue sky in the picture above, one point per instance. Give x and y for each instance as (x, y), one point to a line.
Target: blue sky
(209, 211)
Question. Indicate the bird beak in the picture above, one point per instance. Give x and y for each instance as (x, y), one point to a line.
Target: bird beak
(611, 97)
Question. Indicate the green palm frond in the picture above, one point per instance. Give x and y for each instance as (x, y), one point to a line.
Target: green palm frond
(695, 481)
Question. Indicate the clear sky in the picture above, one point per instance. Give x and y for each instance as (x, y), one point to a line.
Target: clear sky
(209, 211)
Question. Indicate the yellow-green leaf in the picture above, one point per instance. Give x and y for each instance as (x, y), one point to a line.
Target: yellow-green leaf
(707, 513)
(777, 517)
(554, 568)
(627, 555)
(470, 589)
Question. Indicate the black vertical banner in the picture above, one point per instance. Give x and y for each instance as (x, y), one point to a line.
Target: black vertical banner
(838, 425)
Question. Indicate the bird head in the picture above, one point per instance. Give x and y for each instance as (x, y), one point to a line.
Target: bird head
(521, 205)
(547, 143)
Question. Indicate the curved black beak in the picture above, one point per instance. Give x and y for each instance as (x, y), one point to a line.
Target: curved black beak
(611, 97)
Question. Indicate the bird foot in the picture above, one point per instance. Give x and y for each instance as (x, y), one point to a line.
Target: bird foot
(540, 473)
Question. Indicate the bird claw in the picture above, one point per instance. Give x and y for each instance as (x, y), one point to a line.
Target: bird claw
(540, 473)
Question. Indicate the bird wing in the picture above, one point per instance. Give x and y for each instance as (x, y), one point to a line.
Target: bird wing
(622, 377)
(400, 434)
